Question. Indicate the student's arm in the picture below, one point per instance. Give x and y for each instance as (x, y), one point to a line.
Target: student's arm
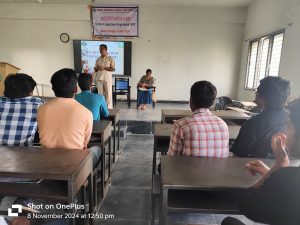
(267, 201)
(103, 108)
(246, 140)
(176, 143)
(39, 115)
(281, 157)
(88, 129)
(267, 204)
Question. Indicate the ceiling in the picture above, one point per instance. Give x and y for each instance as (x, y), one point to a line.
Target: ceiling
(203, 3)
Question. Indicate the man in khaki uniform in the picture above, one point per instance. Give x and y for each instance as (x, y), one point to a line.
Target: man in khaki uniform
(104, 67)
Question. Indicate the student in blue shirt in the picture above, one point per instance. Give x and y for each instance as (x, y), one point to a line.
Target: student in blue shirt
(94, 102)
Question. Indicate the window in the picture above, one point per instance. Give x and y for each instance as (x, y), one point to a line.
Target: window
(263, 58)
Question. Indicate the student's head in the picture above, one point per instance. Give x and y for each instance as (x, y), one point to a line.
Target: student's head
(64, 83)
(148, 72)
(103, 49)
(203, 95)
(293, 128)
(272, 92)
(18, 85)
(85, 81)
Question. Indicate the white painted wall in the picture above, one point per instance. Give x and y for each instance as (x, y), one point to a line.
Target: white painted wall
(266, 16)
(180, 44)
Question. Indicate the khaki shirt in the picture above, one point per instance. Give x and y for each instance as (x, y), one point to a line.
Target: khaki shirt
(106, 61)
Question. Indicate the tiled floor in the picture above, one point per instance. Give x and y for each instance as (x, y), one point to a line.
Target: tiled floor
(129, 197)
(150, 114)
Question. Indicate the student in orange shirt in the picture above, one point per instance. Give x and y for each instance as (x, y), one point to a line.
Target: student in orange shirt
(63, 122)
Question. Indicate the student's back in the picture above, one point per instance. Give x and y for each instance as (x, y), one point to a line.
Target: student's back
(93, 102)
(18, 110)
(64, 123)
(254, 139)
(202, 134)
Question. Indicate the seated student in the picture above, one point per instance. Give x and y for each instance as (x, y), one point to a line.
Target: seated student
(274, 199)
(18, 110)
(254, 139)
(94, 102)
(203, 133)
(63, 122)
(145, 86)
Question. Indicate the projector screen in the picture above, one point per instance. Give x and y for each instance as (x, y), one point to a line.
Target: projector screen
(87, 51)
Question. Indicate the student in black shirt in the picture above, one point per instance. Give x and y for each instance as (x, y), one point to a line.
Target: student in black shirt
(254, 139)
(275, 197)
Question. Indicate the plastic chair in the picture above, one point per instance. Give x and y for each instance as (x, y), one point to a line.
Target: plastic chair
(121, 87)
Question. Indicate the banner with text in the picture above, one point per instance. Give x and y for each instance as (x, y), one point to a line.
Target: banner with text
(115, 21)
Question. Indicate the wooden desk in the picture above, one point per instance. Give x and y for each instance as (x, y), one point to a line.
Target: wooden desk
(238, 109)
(204, 185)
(64, 172)
(168, 116)
(114, 117)
(162, 134)
(103, 129)
(102, 132)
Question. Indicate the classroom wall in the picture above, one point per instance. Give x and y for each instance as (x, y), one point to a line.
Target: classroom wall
(266, 16)
(180, 44)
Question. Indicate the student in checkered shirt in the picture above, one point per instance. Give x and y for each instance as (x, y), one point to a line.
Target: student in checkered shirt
(203, 133)
(18, 109)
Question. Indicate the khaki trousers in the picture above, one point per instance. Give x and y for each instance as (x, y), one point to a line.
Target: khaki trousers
(105, 88)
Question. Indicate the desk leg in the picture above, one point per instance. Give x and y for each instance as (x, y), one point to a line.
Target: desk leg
(95, 190)
(115, 133)
(109, 158)
(154, 156)
(71, 199)
(103, 170)
(91, 197)
(163, 211)
(119, 137)
(83, 201)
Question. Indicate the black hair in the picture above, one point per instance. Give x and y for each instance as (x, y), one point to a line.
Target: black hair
(294, 112)
(104, 46)
(203, 94)
(64, 82)
(85, 81)
(148, 71)
(18, 85)
(275, 91)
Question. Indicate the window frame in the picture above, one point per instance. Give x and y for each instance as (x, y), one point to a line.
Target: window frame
(260, 40)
